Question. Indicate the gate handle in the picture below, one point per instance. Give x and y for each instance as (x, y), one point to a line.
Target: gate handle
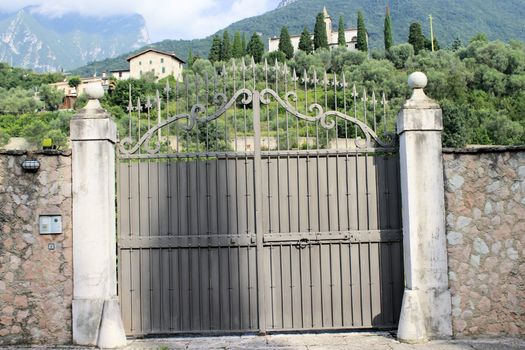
(302, 243)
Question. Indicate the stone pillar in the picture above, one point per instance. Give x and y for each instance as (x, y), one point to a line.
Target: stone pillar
(96, 311)
(426, 309)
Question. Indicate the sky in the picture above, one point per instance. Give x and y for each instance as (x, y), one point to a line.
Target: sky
(165, 19)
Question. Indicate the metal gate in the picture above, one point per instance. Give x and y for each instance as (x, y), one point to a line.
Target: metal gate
(259, 201)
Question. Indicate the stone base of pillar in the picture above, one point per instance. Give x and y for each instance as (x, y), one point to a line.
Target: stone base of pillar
(411, 327)
(97, 322)
(425, 315)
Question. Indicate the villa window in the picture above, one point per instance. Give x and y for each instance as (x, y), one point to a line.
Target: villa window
(162, 60)
(163, 69)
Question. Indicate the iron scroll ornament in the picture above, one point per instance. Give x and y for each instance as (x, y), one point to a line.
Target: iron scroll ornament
(192, 118)
(321, 117)
(247, 97)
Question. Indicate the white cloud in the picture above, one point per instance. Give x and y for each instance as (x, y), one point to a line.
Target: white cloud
(166, 19)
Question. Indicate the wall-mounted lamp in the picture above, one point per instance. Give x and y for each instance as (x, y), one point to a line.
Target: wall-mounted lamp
(31, 165)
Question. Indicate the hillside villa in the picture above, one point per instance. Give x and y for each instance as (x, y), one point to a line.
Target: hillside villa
(160, 63)
(350, 36)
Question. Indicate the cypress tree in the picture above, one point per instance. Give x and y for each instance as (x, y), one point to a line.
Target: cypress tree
(255, 48)
(190, 58)
(416, 37)
(305, 41)
(341, 39)
(320, 35)
(285, 43)
(388, 30)
(226, 49)
(215, 51)
(362, 44)
(243, 44)
(237, 49)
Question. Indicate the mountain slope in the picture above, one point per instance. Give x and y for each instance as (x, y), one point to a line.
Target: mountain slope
(452, 19)
(32, 41)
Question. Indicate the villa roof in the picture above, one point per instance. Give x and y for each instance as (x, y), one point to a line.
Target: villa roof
(171, 54)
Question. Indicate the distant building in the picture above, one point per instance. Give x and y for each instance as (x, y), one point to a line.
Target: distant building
(350, 37)
(160, 63)
(120, 74)
(71, 93)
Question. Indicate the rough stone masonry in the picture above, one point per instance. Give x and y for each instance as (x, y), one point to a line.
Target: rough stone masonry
(35, 282)
(485, 203)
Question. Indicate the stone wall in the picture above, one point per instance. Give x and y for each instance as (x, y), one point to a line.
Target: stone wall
(485, 202)
(35, 281)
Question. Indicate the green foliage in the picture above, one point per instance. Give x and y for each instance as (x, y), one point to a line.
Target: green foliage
(255, 48)
(35, 127)
(456, 45)
(305, 41)
(341, 39)
(387, 30)
(4, 137)
(51, 97)
(320, 35)
(342, 58)
(275, 56)
(480, 87)
(74, 81)
(81, 101)
(285, 43)
(243, 43)
(190, 59)
(416, 37)
(141, 88)
(237, 49)
(11, 77)
(479, 37)
(226, 47)
(399, 54)
(362, 41)
(18, 100)
(215, 50)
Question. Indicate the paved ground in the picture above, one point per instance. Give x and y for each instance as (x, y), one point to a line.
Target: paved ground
(332, 341)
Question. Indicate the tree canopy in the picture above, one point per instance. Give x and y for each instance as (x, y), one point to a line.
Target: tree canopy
(320, 35)
(216, 49)
(341, 39)
(285, 43)
(255, 48)
(387, 30)
(305, 41)
(416, 37)
(362, 41)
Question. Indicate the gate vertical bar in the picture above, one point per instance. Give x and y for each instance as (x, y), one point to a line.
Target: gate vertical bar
(257, 169)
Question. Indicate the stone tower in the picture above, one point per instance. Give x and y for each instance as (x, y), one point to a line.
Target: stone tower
(328, 23)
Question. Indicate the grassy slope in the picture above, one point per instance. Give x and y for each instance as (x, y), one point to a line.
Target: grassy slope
(498, 19)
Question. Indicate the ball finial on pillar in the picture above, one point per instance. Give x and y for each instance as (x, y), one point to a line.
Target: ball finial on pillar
(94, 91)
(417, 80)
